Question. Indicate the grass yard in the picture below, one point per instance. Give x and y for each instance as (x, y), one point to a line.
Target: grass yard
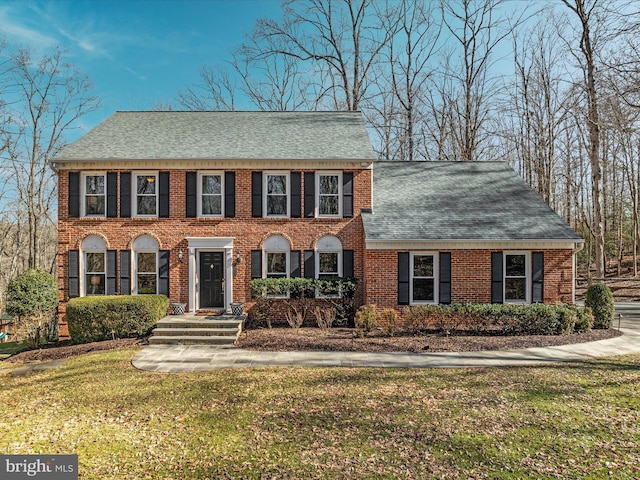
(567, 421)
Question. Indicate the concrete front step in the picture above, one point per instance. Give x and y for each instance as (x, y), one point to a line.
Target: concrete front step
(196, 332)
(192, 340)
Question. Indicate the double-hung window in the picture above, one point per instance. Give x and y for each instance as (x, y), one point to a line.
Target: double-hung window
(424, 274)
(516, 277)
(328, 264)
(94, 194)
(329, 193)
(276, 260)
(94, 265)
(146, 265)
(276, 196)
(211, 195)
(145, 196)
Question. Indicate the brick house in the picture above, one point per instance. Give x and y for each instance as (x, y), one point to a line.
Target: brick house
(194, 205)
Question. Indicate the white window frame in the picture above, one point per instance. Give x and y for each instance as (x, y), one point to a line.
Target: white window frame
(265, 182)
(144, 244)
(83, 193)
(334, 246)
(134, 193)
(527, 276)
(276, 244)
(436, 278)
(200, 194)
(317, 189)
(92, 244)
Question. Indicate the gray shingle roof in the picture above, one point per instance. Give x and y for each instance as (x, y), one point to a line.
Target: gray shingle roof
(458, 201)
(224, 135)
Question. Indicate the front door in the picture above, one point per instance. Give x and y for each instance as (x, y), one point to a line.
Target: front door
(211, 279)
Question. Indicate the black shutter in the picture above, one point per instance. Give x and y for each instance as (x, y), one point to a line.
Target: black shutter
(537, 283)
(229, 194)
(112, 194)
(163, 199)
(125, 272)
(347, 263)
(191, 184)
(347, 194)
(74, 195)
(256, 264)
(309, 264)
(496, 278)
(112, 268)
(296, 195)
(256, 194)
(309, 194)
(74, 273)
(294, 264)
(445, 277)
(163, 272)
(125, 194)
(403, 278)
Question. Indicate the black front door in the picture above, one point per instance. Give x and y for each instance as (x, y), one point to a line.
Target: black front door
(211, 279)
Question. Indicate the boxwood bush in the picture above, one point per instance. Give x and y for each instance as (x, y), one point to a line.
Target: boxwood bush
(92, 319)
(536, 319)
(599, 297)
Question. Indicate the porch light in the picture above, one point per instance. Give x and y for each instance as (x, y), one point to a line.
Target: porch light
(180, 256)
(238, 258)
(151, 179)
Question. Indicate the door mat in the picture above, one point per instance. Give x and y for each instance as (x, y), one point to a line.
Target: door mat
(209, 313)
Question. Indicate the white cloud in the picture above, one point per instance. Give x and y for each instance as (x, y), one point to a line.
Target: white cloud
(18, 33)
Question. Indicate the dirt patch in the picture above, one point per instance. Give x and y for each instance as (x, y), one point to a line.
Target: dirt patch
(66, 349)
(344, 339)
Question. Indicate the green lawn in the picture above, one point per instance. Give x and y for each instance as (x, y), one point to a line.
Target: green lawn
(568, 421)
(10, 348)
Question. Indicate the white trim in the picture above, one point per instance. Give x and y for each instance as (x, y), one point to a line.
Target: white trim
(83, 193)
(199, 193)
(265, 177)
(197, 244)
(190, 164)
(318, 174)
(134, 290)
(436, 277)
(91, 244)
(527, 272)
(134, 192)
(470, 244)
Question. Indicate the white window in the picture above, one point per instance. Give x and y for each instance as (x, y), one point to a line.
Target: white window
(145, 194)
(329, 194)
(276, 197)
(328, 262)
(276, 259)
(424, 275)
(516, 277)
(94, 265)
(94, 195)
(145, 250)
(210, 195)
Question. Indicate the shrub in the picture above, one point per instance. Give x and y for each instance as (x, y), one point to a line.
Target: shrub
(325, 316)
(600, 299)
(584, 319)
(366, 319)
(93, 319)
(388, 320)
(32, 297)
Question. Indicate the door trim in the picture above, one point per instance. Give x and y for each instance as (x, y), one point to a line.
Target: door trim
(203, 244)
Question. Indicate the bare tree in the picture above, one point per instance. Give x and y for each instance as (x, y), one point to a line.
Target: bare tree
(217, 91)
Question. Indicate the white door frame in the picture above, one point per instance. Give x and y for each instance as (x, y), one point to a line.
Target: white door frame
(197, 244)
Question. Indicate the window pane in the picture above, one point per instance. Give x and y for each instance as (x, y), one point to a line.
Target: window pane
(328, 263)
(515, 265)
(146, 284)
(94, 205)
(147, 262)
(423, 289)
(95, 262)
(146, 205)
(329, 205)
(95, 284)
(329, 185)
(94, 185)
(211, 184)
(276, 263)
(277, 185)
(423, 266)
(515, 289)
(276, 205)
(211, 205)
(146, 184)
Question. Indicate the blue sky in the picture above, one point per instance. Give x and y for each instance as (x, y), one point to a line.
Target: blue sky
(138, 53)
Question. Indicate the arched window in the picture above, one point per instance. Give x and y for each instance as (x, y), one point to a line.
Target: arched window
(145, 249)
(328, 263)
(94, 251)
(276, 257)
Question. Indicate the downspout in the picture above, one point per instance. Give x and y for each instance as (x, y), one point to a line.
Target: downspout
(576, 249)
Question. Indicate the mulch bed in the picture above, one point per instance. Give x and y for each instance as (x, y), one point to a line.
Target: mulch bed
(65, 349)
(344, 339)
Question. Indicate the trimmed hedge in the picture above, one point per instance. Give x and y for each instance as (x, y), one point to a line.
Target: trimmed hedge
(497, 319)
(92, 319)
(599, 297)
